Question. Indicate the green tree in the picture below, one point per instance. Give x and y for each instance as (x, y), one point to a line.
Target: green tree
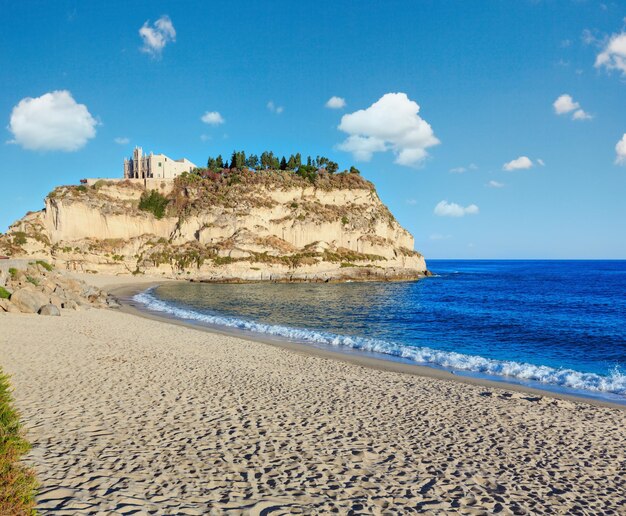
(238, 160)
(275, 165)
(283, 163)
(331, 167)
(266, 161)
(252, 161)
(219, 162)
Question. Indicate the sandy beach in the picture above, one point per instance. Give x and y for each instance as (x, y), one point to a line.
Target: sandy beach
(131, 415)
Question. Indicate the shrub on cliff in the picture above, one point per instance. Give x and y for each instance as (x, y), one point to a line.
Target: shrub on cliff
(153, 202)
(19, 238)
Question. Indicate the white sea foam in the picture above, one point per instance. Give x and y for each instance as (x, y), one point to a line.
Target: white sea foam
(614, 383)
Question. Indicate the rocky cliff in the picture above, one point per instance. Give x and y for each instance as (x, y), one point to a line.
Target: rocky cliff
(268, 225)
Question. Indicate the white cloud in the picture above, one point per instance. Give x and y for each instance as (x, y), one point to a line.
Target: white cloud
(613, 56)
(274, 108)
(565, 104)
(520, 163)
(158, 35)
(392, 124)
(461, 170)
(620, 150)
(205, 137)
(541, 162)
(437, 236)
(121, 140)
(336, 103)
(362, 147)
(579, 114)
(411, 202)
(495, 184)
(53, 121)
(451, 209)
(212, 118)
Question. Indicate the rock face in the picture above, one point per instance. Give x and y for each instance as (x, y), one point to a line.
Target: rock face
(241, 226)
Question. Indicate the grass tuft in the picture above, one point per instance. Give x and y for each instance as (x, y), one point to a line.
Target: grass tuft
(4, 293)
(45, 265)
(17, 482)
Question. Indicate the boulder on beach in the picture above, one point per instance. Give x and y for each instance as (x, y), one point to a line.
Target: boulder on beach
(49, 310)
(29, 300)
(7, 306)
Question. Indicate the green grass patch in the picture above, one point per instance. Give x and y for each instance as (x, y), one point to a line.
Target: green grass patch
(32, 280)
(223, 260)
(17, 483)
(13, 272)
(4, 293)
(45, 265)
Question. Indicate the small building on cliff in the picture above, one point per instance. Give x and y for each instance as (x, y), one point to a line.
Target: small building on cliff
(154, 166)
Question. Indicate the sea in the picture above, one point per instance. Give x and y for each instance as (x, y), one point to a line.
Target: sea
(555, 325)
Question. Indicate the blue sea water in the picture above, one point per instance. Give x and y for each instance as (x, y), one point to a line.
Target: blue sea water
(559, 325)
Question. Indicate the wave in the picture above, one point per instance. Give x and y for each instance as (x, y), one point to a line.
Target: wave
(614, 383)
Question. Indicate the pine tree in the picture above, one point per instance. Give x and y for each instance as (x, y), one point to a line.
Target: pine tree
(265, 160)
(253, 161)
(241, 160)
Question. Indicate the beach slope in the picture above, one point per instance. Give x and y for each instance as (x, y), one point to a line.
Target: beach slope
(126, 414)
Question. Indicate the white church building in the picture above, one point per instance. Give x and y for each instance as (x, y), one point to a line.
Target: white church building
(154, 166)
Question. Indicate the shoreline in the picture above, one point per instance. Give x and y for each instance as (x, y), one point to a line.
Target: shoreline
(128, 289)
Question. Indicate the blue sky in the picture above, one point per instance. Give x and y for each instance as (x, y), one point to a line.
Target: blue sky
(485, 75)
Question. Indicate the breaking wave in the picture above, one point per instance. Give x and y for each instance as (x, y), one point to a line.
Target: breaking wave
(614, 383)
